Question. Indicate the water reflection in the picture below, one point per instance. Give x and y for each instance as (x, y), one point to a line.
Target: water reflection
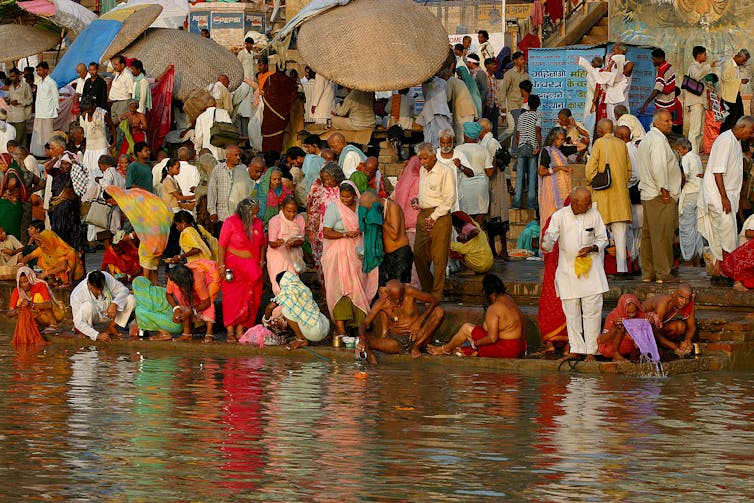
(104, 425)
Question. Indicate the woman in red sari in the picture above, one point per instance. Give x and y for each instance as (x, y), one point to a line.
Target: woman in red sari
(240, 263)
(615, 342)
(551, 318)
(121, 258)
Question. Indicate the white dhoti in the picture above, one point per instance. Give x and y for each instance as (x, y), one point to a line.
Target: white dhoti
(696, 126)
(718, 228)
(618, 232)
(39, 136)
(634, 236)
(688, 234)
(584, 323)
(89, 315)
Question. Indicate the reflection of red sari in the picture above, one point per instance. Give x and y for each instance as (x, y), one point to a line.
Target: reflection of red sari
(126, 262)
(242, 296)
(551, 318)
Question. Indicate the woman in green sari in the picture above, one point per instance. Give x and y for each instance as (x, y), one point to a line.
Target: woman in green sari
(153, 312)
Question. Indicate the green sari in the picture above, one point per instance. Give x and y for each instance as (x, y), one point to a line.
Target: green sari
(153, 312)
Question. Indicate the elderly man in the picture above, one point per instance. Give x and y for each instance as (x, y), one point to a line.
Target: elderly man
(503, 334)
(188, 178)
(203, 126)
(219, 91)
(580, 277)
(256, 170)
(663, 92)
(500, 188)
(96, 87)
(349, 156)
(78, 83)
(631, 122)
(368, 177)
(437, 195)
(614, 81)
(45, 110)
(299, 310)
(121, 91)
(404, 330)
(731, 79)
(461, 104)
(474, 189)
(356, 112)
(575, 131)
(398, 258)
(613, 202)
(229, 183)
(673, 319)
(19, 99)
(660, 186)
(510, 94)
(719, 195)
(99, 299)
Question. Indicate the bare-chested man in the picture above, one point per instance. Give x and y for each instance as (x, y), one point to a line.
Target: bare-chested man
(673, 319)
(404, 330)
(398, 259)
(503, 334)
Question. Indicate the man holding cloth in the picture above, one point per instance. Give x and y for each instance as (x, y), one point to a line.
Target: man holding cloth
(580, 277)
(660, 186)
(717, 205)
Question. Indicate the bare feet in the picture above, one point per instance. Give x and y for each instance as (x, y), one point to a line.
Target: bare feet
(298, 343)
(437, 350)
(208, 339)
(161, 336)
(739, 287)
(415, 352)
(619, 358)
(590, 358)
(570, 356)
(184, 338)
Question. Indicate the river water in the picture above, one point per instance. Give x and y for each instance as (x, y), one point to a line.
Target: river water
(110, 425)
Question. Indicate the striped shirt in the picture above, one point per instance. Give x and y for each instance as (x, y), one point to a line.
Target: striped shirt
(528, 122)
(665, 81)
(491, 98)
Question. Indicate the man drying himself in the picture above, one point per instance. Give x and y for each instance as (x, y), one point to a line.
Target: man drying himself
(398, 259)
(673, 319)
(404, 330)
(503, 334)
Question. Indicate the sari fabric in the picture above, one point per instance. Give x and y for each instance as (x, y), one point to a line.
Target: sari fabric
(191, 238)
(550, 316)
(619, 314)
(319, 198)
(206, 286)
(473, 88)
(555, 188)
(124, 262)
(279, 94)
(406, 189)
(273, 200)
(342, 266)
(150, 218)
(242, 296)
(52, 249)
(153, 312)
(739, 264)
(281, 258)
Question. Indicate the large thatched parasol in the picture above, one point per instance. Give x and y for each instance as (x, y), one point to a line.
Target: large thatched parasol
(374, 45)
(19, 41)
(198, 61)
(136, 19)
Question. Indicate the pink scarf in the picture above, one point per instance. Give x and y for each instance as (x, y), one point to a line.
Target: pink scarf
(406, 189)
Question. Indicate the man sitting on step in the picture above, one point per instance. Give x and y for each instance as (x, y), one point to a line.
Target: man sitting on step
(673, 319)
(404, 330)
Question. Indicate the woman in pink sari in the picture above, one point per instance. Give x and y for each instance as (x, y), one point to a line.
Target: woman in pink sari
(348, 289)
(286, 235)
(407, 189)
(554, 175)
(323, 192)
(240, 261)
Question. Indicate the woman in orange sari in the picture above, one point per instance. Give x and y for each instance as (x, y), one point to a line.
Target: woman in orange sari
(554, 175)
(57, 259)
(36, 295)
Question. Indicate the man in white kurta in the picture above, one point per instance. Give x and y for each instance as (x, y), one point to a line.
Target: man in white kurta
(45, 110)
(101, 298)
(579, 231)
(474, 189)
(323, 100)
(717, 203)
(246, 58)
(203, 126)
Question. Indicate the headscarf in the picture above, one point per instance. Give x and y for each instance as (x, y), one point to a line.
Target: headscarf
(406, 189)
(472, 87)
(53, 248)
(619, 313)
(472, 130)
(14, 173)
(33, 280)
(312, 164)
(370, 224)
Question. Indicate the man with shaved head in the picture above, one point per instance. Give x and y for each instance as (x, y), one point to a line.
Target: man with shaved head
(403, 329)
(673, 319)
(349, 156)
(580, 277)
(78, 83)
(660, 186)
(612, 202)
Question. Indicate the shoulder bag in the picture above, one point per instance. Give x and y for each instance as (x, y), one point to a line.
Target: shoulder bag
(99, 213)
(603, 180)
(222, 134)
(692, 85)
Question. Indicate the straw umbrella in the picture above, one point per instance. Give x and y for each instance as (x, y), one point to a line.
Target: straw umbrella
(19, 41)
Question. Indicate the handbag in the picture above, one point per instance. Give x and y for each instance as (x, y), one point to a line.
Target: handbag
(99, 214)
(692, 85)
(603, 179)
(222, 134)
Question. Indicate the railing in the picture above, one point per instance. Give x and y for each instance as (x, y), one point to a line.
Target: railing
(550, 28)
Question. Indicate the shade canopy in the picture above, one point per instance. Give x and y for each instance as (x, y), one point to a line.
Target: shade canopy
(19, 41)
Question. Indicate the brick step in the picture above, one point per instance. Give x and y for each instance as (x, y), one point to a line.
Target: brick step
(726, 336)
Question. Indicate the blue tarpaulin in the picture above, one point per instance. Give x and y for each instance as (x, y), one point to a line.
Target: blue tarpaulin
(89, 46)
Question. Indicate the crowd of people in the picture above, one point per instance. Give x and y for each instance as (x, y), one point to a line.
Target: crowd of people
(235, 219)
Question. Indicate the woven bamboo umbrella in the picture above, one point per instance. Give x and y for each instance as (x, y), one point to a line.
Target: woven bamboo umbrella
(374, 45)
(19, 41)
(136, 19)
(198, 61)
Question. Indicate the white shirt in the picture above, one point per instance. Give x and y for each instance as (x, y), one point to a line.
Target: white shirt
(114, 292)
(350, 162)
(632, 123)
(122, 86)
(247, 62)
(725, 158)
(658, 167)
(46, 106)
(143, 94)
(202, 128)
(6, 136)
(572, 233)
(474, 192)
(80, 84)
(187, 178)
(697, 71)
(157, 174)
(633, 154)
(437, 189)
(323, 97)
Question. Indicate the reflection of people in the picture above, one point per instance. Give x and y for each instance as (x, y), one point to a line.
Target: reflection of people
(404, 330)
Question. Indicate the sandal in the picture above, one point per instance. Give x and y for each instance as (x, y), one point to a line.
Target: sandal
(208, 339)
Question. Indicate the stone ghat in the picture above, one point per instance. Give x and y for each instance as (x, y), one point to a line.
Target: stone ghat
(342, 356)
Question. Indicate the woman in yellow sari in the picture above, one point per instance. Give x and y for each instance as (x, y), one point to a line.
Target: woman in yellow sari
(554, 175)
(57, 259)
(195, 241)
